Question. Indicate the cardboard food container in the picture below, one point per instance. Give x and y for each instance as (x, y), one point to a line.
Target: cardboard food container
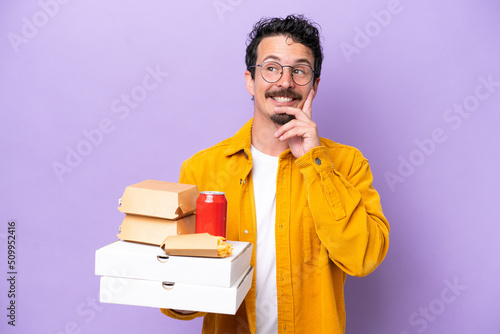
(174, 295)
(147, 262)
(199, 244)
(153, 231)
(160, 199)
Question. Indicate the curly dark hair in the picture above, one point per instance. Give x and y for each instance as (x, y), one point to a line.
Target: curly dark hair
(297, 27)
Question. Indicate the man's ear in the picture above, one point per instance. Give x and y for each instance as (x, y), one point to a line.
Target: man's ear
(315, 87)
(250, 83)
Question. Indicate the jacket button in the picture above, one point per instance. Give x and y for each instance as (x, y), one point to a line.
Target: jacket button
(246, 231)
(318, 161)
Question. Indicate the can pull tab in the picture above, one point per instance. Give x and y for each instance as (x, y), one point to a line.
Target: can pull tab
(162, 258)
(168, 285)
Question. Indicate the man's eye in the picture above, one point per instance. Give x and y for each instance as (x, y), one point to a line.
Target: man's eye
(301, 70)
(271, 69)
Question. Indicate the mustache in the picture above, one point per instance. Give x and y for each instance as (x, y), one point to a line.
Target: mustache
(284, 93)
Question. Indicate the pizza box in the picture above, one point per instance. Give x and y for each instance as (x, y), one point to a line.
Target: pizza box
(148, 262)
(174, 295)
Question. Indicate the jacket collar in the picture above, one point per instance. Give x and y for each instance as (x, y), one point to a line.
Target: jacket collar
(242, 140)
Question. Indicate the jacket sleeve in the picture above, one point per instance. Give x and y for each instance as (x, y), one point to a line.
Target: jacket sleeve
(346, 211)
(187, 178)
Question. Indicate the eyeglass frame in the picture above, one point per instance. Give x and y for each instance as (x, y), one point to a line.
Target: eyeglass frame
(282, 70)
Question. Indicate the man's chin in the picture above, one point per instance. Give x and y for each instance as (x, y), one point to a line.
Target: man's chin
(281, 119)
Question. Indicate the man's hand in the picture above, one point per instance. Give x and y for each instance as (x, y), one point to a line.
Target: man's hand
(301, 132)
(184, 312)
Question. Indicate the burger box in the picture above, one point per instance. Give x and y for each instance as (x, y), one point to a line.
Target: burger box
(148, 262)
(143, 275)
(160, 199)
(175, 295)
(153, 231)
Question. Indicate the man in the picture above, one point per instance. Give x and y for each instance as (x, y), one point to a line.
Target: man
(306, 203)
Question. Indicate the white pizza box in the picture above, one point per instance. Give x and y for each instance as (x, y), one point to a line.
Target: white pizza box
(173, 295)
(141, 261)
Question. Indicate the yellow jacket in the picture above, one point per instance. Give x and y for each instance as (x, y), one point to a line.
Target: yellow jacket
(329, 224)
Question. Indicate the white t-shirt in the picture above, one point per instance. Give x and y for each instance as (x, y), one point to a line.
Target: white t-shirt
(265, 168)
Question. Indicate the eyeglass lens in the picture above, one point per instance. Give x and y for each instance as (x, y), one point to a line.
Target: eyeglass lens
(272, 72)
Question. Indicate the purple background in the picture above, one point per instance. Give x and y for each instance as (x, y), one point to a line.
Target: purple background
(66, 74)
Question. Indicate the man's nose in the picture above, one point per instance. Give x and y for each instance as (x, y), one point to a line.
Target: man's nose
(286, 80)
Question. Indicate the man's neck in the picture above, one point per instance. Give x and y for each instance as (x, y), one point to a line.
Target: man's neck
(263, 137)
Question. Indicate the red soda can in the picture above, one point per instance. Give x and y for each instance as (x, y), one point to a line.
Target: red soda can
(211, 212)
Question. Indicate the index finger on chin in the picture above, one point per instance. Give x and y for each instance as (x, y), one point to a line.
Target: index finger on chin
(308, 104)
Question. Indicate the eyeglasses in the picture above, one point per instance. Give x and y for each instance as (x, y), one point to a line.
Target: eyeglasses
(272, 72)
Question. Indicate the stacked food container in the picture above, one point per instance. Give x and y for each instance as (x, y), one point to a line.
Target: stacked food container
(135, 270)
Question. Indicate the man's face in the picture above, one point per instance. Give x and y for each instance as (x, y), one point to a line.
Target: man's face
(284, 92)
